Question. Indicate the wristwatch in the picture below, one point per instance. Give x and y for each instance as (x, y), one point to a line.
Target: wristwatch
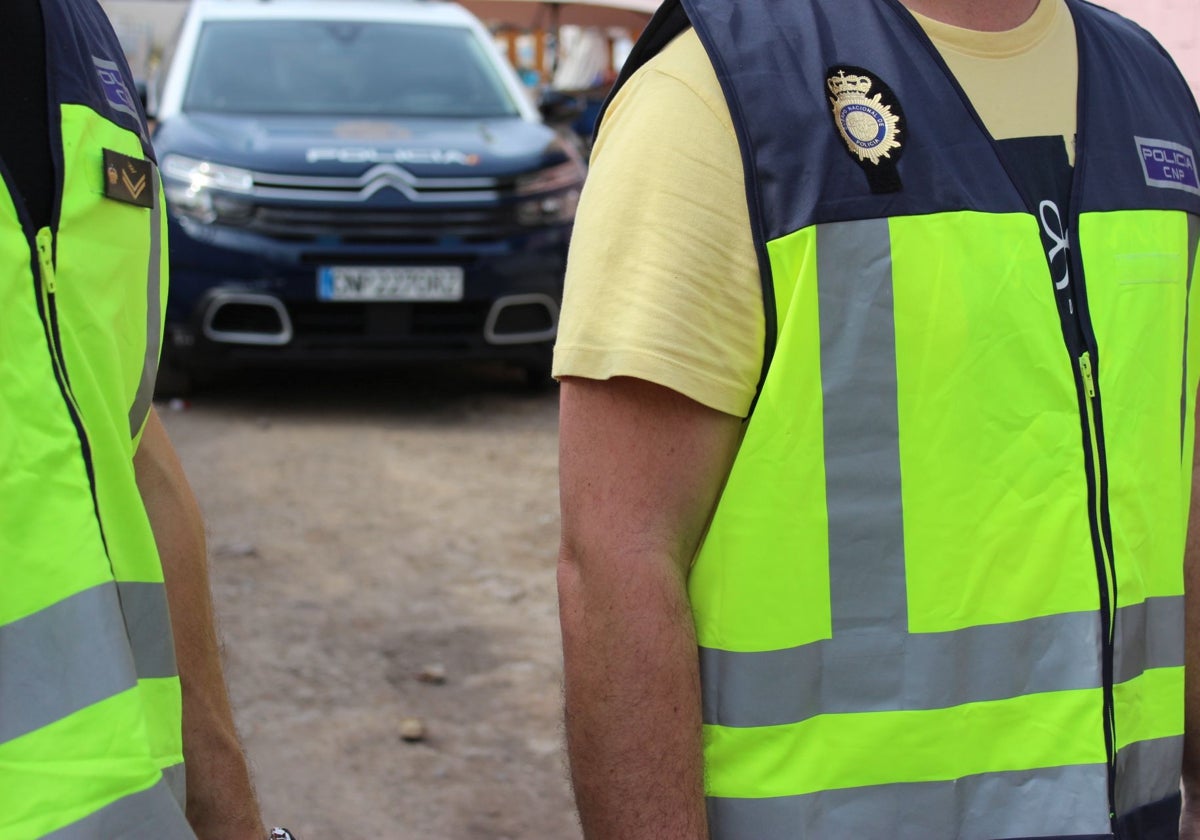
(278, 833)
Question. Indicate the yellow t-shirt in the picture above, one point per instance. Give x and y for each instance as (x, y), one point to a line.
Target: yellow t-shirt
(662, 279)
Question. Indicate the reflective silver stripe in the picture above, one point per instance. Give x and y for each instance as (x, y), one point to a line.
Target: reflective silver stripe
(1055, 801)
(80, 651)
(990, 662)
(1148, 635)
(151, 814)
(145, 391)
(62, 659)
(176, 780)
(1193, 246)
(1190, 271)
(1148, 771)
(862, 443)
(924, 671)
(149, 624)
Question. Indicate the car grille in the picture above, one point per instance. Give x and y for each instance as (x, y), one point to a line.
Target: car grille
(362, 225)
(384, 204)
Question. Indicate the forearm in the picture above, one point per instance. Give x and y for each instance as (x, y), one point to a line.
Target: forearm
(1191, 738)
(641, 468)
(632, 705)
(1191, 742)
(221, 804)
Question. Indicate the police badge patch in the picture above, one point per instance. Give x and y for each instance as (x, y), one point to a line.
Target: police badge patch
(116, 94)
(869, 119)
(1168, 165)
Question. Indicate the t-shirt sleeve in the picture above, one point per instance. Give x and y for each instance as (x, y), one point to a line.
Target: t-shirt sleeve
(662, 280)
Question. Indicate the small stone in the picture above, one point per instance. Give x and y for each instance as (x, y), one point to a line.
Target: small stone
(237, 549)
(434, 674)
(412, 729)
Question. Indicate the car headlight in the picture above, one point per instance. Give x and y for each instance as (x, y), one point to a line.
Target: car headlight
(189, 183)
(561, 176)
(553, 192)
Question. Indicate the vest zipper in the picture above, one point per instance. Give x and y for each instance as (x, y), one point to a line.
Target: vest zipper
(1081, 343)
(1110, 587)
(48, 301)
(1105, 568)
(49, 289)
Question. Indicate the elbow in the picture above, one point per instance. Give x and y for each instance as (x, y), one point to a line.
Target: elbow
(569, 580)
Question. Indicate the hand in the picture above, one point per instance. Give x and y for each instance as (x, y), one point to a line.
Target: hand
(1189, 821)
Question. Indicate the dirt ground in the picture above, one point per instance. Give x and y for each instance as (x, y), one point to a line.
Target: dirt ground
(367, 534)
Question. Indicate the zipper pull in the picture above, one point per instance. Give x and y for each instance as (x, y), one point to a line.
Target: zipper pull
(1085, 367)
(45, 249)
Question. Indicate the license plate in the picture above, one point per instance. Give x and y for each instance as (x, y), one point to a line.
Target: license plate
(377, 282)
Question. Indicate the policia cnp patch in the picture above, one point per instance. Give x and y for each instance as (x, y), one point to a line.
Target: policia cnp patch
(868, 116)
(128, 179)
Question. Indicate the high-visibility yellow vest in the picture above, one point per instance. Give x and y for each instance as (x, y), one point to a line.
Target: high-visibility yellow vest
(941, 595)
(90, 729)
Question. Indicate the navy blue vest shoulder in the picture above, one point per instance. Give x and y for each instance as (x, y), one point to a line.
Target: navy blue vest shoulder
(88, 67)
(773, 60)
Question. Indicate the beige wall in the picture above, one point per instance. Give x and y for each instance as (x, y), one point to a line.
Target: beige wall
(1175, 23)
(147, 28)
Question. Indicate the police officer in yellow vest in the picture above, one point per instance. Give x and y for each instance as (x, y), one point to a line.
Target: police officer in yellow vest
(878, 369)
(101, 547)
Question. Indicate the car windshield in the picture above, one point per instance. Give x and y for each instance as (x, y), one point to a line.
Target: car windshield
(344, 68)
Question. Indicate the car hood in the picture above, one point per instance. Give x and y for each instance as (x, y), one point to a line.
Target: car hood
(348, 146)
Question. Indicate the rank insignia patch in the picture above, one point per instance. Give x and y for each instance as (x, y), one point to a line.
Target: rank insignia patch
(128, 179)
(869, 119)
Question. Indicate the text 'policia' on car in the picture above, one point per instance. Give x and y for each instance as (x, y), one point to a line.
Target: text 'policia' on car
(357, 182)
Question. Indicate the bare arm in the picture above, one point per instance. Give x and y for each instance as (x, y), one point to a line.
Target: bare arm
(1190, 827)
(641, 467)
(220, 800)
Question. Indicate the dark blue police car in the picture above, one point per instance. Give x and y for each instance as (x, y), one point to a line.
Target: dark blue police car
(361, 181)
